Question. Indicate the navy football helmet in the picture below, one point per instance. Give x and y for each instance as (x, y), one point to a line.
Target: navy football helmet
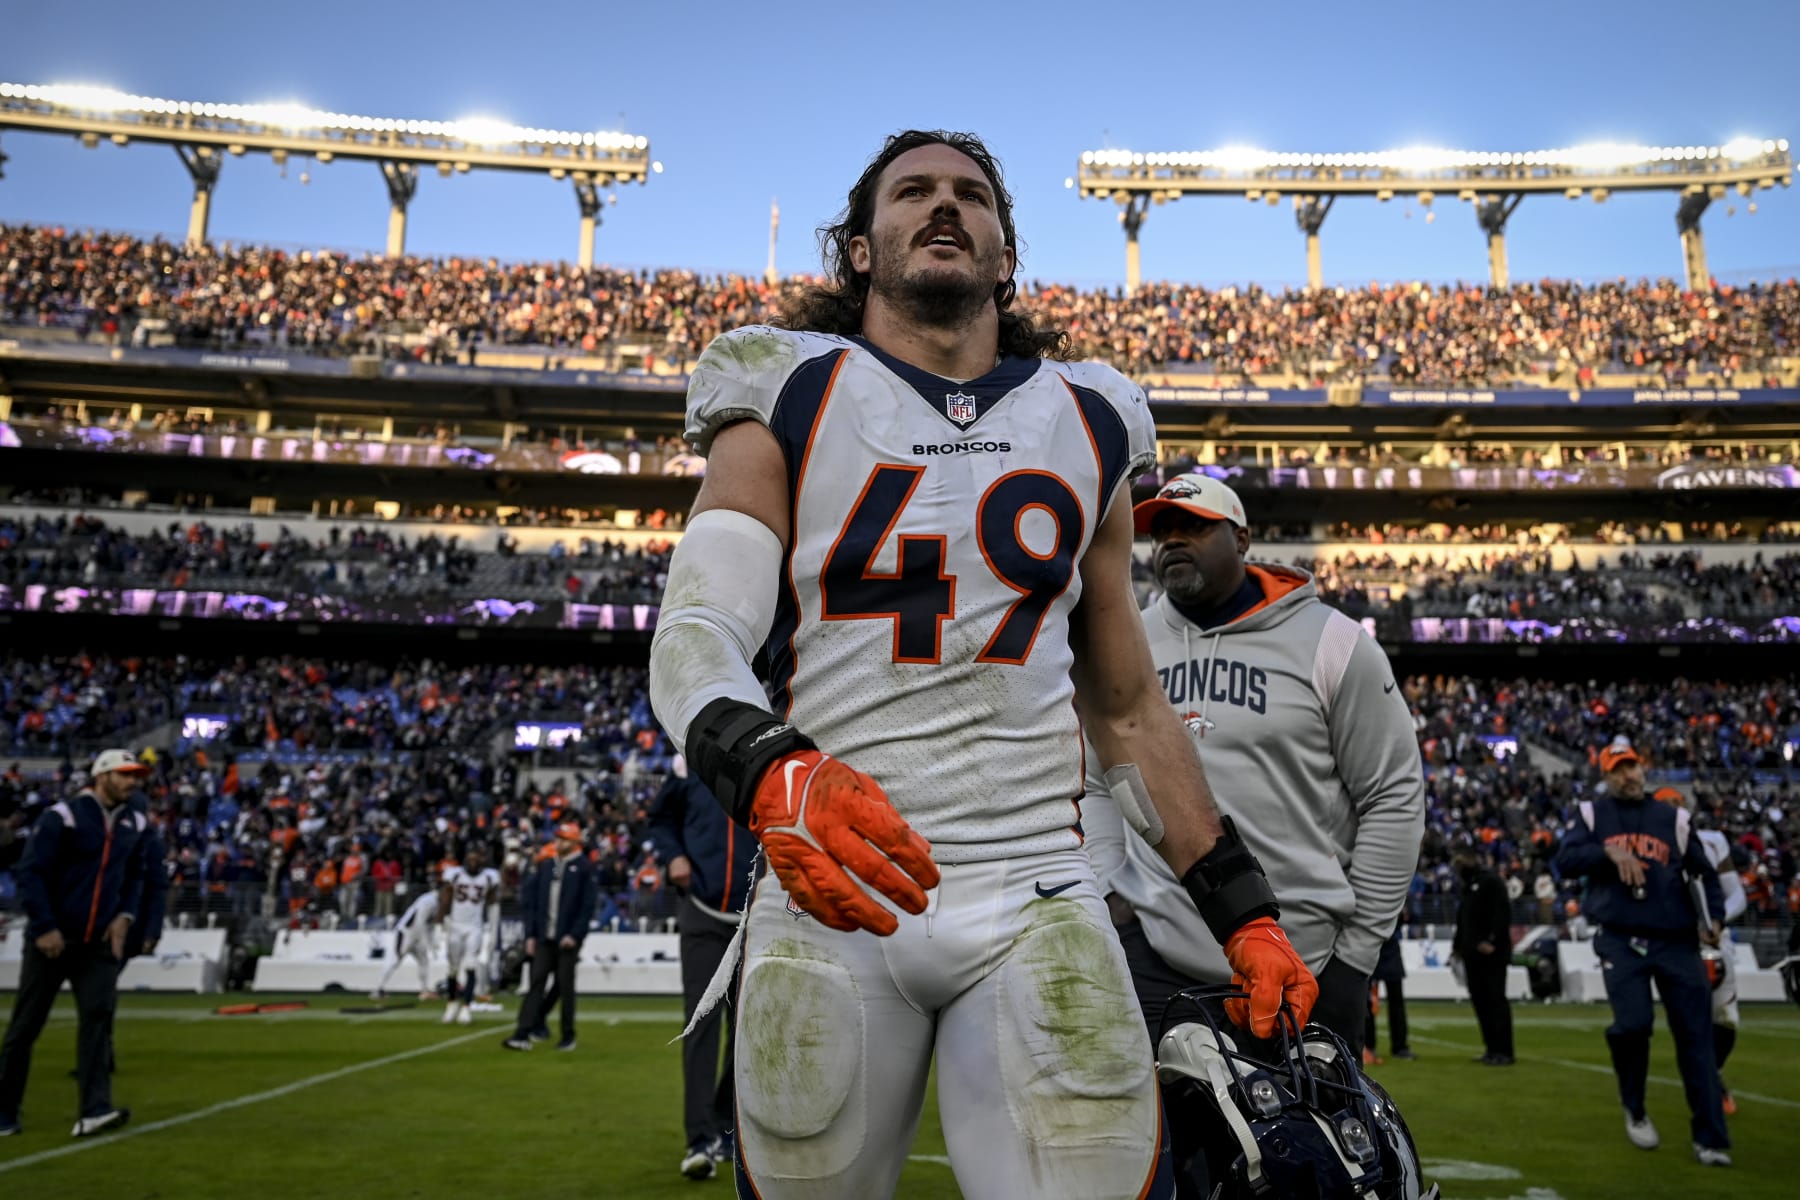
(1293, 1116)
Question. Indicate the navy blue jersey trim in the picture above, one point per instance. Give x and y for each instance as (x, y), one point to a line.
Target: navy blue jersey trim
(941, 394)
(795, 417)
(1111, 442)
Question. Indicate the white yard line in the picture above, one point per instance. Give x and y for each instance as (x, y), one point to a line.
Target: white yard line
(424, 1014)
(1597, 1069)
(131, 1131)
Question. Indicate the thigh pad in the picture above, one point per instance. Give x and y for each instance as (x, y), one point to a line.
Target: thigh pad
(1073, 1056)
(800, 1059)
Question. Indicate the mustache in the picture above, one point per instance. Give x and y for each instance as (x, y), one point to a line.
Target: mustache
(941, 226)
(1166, 557)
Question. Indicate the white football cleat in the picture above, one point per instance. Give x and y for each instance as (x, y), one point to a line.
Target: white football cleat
(1710, 1156)
(698, 1163)
(462, 1015)
(1642, 1133)
(450, 1013)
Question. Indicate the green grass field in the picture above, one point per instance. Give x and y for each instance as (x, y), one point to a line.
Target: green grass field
(323, 1103)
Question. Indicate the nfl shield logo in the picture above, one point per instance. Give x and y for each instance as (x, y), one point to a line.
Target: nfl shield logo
(959, 408)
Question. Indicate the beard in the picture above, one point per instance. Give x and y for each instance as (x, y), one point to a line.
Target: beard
(945, 296)
(1183, 582)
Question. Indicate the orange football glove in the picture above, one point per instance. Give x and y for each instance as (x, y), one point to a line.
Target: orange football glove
(1264, 964)
(818, 821)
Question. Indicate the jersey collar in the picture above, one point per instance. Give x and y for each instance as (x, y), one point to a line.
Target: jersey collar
(961, 404)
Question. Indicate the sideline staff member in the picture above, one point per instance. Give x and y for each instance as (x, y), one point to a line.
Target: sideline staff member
(1484, 944)
(82, 880)
(710, 861)
(1637, 857)
(1310, 747)
(561, 908)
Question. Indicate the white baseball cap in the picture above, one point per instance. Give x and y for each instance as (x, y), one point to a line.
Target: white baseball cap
(117, 760)
(1201, 495)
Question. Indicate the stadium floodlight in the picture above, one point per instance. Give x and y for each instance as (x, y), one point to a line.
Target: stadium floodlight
(89, 98)
(204, 133)
(1500, 178)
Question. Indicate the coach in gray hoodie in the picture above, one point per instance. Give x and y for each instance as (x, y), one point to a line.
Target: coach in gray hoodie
(1308, 745)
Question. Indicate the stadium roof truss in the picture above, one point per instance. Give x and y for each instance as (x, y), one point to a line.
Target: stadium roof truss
(1493, 181)
(203, 134)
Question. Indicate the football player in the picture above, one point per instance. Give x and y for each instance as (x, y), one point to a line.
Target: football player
(922, 517)
(412, 939)
(470, 896)
(1725, 985)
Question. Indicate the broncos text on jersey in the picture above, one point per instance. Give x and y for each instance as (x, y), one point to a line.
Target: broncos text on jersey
(922, 626)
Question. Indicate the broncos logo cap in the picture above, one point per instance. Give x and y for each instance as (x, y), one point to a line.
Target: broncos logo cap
(1201, 495)
(1618, 753)
(117, 760)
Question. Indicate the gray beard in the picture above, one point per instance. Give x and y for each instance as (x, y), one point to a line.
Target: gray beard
(1188, 592)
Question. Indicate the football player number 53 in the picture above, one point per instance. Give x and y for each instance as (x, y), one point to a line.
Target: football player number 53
(918, 596)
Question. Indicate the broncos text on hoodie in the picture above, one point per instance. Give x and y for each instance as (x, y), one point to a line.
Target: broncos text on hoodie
(1308, 744)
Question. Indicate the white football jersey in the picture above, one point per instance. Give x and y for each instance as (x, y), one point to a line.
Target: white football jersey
(469, 894)
(921, 629)
(420, 912)
(1731, 884)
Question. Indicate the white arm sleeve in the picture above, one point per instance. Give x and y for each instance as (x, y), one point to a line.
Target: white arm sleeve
(1732, 885)
(717, 610)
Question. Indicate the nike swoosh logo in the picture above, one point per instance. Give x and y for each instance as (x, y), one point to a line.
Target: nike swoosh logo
(1059, 889)
(1386, 688)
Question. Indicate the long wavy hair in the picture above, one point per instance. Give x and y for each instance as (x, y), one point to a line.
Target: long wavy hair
(836, 306)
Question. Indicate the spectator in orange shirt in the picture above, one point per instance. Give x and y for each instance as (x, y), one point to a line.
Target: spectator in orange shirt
(325, 883)
(350, 884)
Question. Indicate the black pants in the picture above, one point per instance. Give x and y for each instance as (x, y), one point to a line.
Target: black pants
(1396, 1011)
(1486, 974)
(94, 974)
(706, 1087)
(550, 959)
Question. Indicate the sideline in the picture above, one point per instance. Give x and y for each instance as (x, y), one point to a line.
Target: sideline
(1595, 1068)
(131, 1131)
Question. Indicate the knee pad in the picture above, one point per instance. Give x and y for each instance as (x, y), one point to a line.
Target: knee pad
(1072, 1053)
(799, 1053)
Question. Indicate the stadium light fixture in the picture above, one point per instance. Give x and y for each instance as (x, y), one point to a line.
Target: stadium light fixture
(295, 116)
(1430, 160)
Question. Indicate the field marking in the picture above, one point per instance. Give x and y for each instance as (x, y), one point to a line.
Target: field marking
(1599, 1018)
(398, 1016)
(1597, 1069)
(286, 1089)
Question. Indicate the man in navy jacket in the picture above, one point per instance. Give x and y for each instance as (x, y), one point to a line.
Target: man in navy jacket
(559, 907)
(1642, 862)
(82, 881)
(709, 858)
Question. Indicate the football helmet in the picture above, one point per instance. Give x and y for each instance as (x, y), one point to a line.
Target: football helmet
(1293, 1116)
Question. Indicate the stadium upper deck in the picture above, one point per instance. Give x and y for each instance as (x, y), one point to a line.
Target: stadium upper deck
(250, 300)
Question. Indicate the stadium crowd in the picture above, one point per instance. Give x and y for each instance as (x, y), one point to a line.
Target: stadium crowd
(129, 289)
(330, 788)
(1728, 745)
(1663, 586)
(358, 561)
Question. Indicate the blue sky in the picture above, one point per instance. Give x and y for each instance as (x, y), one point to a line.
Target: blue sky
(748, 102)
